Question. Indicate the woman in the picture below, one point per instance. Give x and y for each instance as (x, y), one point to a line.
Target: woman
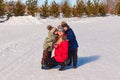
(48, 45)
(61, 50)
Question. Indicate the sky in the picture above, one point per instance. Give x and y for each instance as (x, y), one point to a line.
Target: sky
(40, 2)
(72, 2)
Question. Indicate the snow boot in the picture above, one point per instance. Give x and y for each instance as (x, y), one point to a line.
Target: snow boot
(74, 67)
(62, 67)
(45, 67)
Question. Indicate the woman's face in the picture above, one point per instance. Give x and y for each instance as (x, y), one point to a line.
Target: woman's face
(60, 33)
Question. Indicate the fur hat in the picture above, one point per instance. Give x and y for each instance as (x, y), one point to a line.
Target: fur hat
(60, 28)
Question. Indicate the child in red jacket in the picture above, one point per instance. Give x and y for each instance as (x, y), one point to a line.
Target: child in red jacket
(61, 51)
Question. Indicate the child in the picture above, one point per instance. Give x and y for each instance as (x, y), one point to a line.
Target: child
(60, 50)
(48, 45)
(73, 44)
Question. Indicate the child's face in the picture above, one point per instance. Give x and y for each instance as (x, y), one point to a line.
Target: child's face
(65, 28)
(56, 32)
(60, 33)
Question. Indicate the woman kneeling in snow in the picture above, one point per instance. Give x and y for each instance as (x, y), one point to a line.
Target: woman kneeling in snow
(48, 46)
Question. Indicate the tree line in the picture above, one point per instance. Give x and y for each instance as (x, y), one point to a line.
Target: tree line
(30, 7)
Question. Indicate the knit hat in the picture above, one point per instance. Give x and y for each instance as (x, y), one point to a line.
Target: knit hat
(63, 22)
(53, 29)
(49, 27)
(60, 28)
(66, 25)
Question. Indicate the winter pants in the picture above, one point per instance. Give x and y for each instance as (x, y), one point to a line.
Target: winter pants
(52, 63)
(46, 56)
(72, 55)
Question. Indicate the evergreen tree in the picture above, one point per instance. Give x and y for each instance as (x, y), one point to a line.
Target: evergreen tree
(118, 8)
(66, 9)
(11, 7)
(19, 9)
(102, 9)
(32, 6)
(45, 10)
(80, 8)
(2, 7)
(74, 11)
(54, 9)
(95, 11)
(88, 8)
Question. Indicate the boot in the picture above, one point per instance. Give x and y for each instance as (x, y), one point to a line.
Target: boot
(62, 67)
(45, 67)
(69, 64)
(74, 67)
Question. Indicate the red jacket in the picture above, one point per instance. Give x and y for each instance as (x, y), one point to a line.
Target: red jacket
(61, 52)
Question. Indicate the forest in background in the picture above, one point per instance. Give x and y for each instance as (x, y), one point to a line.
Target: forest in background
(82, 8)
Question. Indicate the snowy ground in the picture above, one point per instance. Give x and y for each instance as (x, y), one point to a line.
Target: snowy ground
(21, 49)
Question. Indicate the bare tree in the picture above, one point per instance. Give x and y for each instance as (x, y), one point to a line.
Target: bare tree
(111, 4)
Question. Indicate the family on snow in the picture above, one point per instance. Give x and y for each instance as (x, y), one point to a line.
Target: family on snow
(62, 39)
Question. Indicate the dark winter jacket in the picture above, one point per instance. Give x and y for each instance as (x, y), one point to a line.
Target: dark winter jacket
(72, 39)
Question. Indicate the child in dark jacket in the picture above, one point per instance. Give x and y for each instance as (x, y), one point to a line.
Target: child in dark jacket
(73, 45)
(48, 45)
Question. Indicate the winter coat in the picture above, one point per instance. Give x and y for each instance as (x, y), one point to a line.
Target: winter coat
(72, 39)
(49, 40)
(61, 52)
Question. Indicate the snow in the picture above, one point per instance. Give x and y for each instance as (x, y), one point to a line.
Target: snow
(21, 46)
(23, 20)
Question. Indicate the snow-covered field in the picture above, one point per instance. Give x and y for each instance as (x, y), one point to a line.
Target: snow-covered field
(21, 45)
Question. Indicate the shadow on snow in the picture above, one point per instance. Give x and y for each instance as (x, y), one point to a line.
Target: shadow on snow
(82, 61)
(85, 60)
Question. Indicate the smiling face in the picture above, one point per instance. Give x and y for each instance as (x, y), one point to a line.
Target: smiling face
(65, 28)
(60, 33)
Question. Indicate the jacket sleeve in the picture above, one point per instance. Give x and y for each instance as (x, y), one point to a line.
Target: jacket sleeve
(49, 40)
(71, 35)
(51, 37)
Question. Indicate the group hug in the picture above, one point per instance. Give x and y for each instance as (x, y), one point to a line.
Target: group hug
(60, 41)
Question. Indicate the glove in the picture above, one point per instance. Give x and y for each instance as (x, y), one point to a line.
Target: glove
(49, 48)
(55, 45)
